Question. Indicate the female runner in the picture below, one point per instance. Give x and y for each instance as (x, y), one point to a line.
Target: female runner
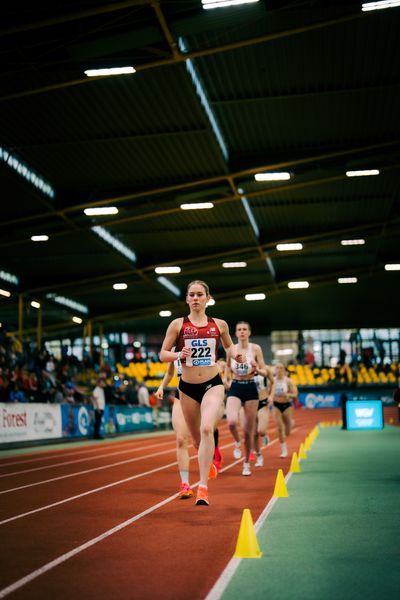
(201, 389)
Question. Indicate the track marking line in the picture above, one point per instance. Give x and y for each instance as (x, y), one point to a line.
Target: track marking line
(93, 491)
(121, 462)
(64, 557)
(78, 460)
(71, 452)
(231, 567)
(227, 574)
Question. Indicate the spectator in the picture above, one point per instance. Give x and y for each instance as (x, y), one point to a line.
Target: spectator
(99, 402)
(16, 394)
(143, 395)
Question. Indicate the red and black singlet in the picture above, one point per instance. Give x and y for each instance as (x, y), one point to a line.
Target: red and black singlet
(203, 341)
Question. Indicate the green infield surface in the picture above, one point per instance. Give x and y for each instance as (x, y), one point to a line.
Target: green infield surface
(337, 534)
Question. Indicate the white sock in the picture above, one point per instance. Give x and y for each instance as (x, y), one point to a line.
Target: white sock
(283, 446)
(184, 475)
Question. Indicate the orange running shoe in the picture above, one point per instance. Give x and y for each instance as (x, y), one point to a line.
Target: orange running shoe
(252, 456)
(185, 491)
(202, 496)
(213, 472)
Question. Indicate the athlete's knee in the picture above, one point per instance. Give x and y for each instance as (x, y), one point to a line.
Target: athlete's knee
(181, 441)
(232, 425)
(207, 430)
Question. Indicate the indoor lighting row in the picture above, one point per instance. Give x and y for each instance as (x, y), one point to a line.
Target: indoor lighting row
(24, 171)
(285, 176)
(241, 264)
(380, 5)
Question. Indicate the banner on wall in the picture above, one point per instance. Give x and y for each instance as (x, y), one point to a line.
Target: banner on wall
(78, 420)
(321, 399)
(22, 422)
(133, 418)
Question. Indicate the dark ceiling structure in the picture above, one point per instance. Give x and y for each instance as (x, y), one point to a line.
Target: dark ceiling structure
(309, 88)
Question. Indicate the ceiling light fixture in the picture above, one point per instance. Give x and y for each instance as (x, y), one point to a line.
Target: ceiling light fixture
(252, 297)
(297, 285)
(211, 302)
(39, 238)
(250, 215)
(234, 265)
(208, 4)
(165, 313)
(283, 176)
(167, 270)
(120, 286)
(35, 304)
(68, 302)
(347, 280)
(364, 173)
(288, 247)
(77, 320)
(116, 244)
(25, 172)
(197, 206)
(109, 71)
(392, 267)
(379, 5)
(9, 277)
(202, 95)
(170, 286)
(101, 210)
(5, 293)
(359, 242)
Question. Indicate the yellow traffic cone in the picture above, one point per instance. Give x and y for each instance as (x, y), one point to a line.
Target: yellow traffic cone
(294, 465)
(280, 490)
(247, 545)
(302, 452)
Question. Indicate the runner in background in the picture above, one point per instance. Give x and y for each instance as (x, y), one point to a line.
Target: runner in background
(264, 382)
(180, 428)
(283, 392)
(243, 391)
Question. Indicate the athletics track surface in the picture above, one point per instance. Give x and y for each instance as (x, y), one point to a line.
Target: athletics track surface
(101, 520)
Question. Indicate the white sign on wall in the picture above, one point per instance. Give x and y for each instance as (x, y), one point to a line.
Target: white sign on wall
(22, 422)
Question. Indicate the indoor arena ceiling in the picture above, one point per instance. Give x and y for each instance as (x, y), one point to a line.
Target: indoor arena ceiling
(310, 88)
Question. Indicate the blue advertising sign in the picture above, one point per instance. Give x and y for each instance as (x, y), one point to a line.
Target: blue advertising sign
(320, 399)
(78, 420)
(364, 414)
(133, 419)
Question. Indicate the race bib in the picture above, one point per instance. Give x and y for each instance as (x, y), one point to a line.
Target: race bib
(202, 352)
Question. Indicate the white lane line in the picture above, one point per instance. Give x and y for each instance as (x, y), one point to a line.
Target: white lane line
(224, 579)
(70, 462)
(99, 489)
(64, 557)
(121, 481)
(93, 491)
(85, 450)
(116, 464)
(78, 460)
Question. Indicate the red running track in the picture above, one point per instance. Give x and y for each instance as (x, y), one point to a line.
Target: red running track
(103, 520)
